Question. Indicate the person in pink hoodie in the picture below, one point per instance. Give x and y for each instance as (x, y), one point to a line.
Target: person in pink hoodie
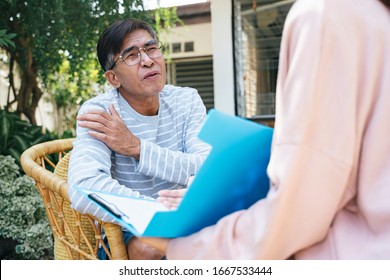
(330, 163)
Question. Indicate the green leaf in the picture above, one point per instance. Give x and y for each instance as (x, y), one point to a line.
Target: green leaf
(15, 154)
(12, 44)
(21, 123)
(5, 127)
(36, 130)
(22, 144)
(40, 139)
(10, 36)
(26, 135)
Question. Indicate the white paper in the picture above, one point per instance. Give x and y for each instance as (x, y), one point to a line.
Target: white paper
(137, 212)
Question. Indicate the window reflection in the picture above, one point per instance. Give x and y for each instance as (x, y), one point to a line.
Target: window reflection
(258, 29)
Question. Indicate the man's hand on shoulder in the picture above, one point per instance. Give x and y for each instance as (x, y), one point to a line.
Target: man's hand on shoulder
(110, 129)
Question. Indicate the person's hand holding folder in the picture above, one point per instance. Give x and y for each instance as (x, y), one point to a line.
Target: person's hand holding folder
(171, 199)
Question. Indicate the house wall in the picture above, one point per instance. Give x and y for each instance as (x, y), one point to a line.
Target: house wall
(3, 85)
(200, 34)
(212, 37)
(222, 40)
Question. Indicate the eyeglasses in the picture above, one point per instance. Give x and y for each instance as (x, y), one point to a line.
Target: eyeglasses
(132, 56)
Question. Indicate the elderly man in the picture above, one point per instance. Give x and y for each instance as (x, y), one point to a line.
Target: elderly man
(141, 136)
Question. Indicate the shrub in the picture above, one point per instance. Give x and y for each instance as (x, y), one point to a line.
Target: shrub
(16, 135)
(22, 213)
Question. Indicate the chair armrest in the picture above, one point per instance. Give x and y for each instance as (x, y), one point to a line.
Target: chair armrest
(115, 239)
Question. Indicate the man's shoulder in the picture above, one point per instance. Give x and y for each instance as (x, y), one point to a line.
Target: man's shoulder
(178, 94)
(171, 89)
(181, 98)
(108, 97)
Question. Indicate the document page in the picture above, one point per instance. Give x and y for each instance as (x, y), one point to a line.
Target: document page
(137, 212)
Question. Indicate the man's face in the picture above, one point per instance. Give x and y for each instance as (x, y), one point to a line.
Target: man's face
(144, 79)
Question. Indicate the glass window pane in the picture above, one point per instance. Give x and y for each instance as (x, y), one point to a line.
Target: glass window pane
(189, 46)
(258, 26)
(176, 47)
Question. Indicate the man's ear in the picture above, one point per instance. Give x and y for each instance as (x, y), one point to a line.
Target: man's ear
(112, 78)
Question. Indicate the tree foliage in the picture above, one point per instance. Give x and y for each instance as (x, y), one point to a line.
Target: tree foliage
(54, 46)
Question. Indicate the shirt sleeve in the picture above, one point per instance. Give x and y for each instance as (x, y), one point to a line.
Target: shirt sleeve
(314, 146)
(90, 168)
(177, 166)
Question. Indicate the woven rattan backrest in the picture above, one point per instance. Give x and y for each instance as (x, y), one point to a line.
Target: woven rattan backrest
(75, 228)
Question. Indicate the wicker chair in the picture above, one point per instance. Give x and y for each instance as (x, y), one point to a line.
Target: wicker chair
(76, 236)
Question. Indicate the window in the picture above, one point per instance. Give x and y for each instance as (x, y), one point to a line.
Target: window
(176, 47)
(258, 26)
(189, 46)
(196, 73)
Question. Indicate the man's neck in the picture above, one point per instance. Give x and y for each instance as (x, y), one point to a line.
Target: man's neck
(147, 106)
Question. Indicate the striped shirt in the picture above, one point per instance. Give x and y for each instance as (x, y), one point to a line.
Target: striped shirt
(170, 151)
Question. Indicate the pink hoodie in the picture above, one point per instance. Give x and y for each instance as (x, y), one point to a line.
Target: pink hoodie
(330, 162)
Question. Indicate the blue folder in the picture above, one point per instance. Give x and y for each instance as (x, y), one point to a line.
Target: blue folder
(232, 178)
